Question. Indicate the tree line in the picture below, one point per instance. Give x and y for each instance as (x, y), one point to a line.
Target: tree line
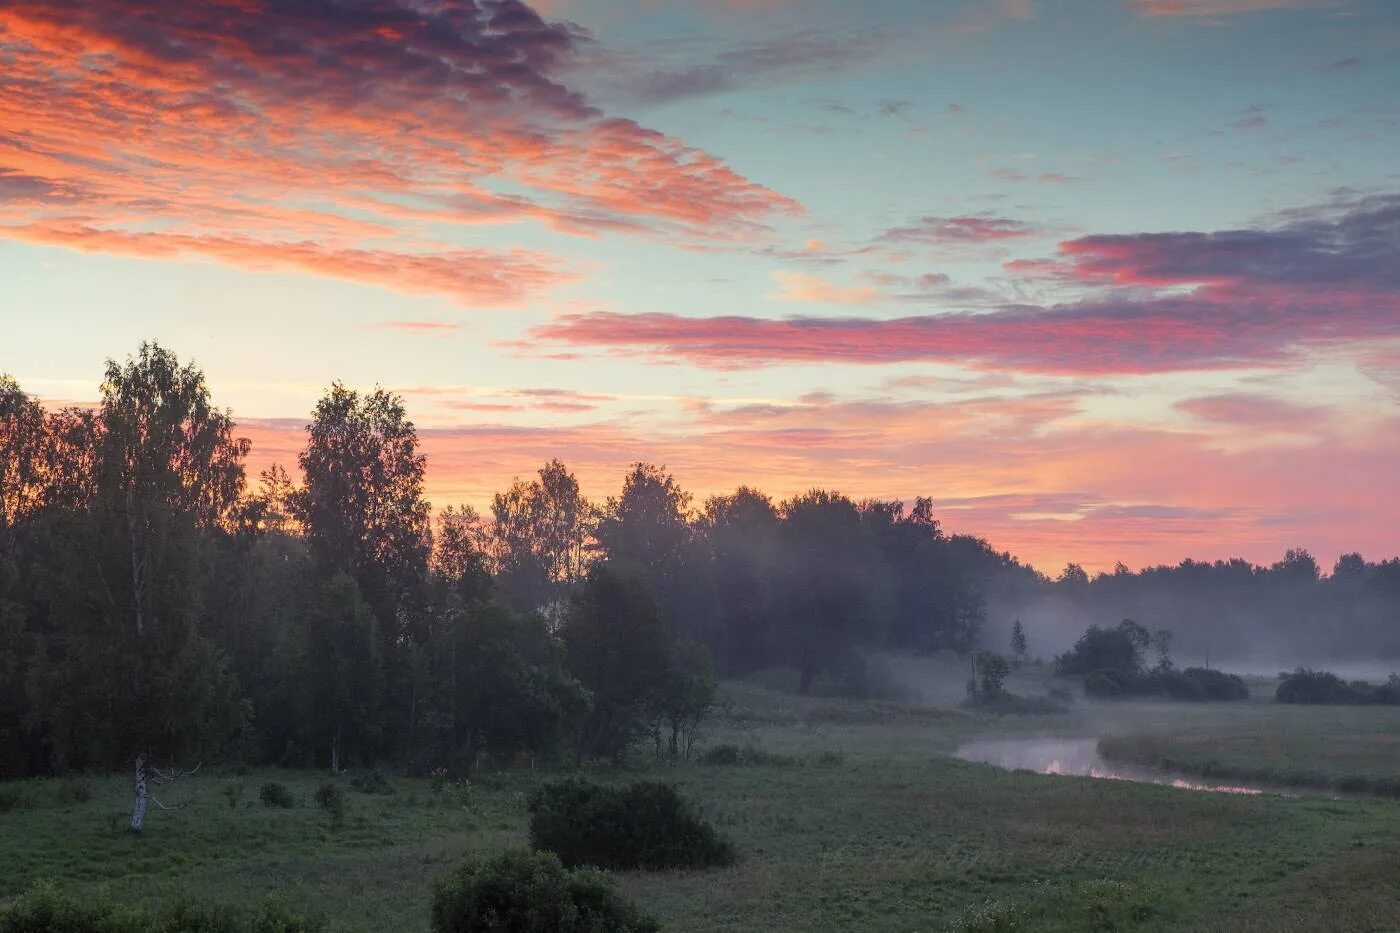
(156, 608)
(1272, 616)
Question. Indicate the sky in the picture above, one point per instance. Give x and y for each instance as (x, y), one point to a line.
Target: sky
(1110, 280)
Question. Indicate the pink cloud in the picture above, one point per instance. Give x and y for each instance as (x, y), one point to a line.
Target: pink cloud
(1030, 473)
(1230, 299)
(241, 133)
(941, 231)
(1208, 9)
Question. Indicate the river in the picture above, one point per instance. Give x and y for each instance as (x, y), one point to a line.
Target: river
(1080, 756)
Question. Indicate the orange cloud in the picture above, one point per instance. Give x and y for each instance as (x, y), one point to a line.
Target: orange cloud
(800, 286)
(242, 134)
(1032, 474)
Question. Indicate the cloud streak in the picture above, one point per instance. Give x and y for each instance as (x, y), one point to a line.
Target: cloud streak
(1157, 302)
(241, 133)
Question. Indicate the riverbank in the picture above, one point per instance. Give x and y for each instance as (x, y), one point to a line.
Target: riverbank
(855, 819)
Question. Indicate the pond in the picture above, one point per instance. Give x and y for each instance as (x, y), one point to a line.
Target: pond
(1080, 756)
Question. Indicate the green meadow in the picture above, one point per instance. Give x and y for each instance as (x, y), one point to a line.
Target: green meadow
(847, 815)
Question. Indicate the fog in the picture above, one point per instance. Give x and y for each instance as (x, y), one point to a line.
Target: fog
(1249, 619)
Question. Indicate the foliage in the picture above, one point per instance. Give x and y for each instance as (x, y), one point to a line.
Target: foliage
(992, 671)
(274, 794)
(331, 798)
(1308, 686)
(642, 825)
(538, 532)
(1118, 649)
(45, 909)
(531, 892)
(1193, 683)
(371, 782)
(502, 688)
(618, 648)
(1019, 647)
(340, 696)
(835, 591)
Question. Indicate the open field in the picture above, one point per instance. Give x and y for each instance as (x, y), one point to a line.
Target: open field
(858, 821)
(1350, 749)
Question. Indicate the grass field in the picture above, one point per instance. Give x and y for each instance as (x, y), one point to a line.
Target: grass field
(858, 821)
(1348, 749)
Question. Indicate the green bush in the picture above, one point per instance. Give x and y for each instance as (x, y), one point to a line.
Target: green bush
(1323, 687)
(45, 909)
(372, 782)
(643, 825)
(332, 799)
(1107, 683)
(1197, 683)
(273, 794)
(531, 892)
(730, 755)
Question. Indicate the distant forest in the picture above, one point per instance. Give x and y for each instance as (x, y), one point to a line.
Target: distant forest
(155, 604)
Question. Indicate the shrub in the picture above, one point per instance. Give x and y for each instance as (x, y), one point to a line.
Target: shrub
(1193, 683)
(1012, 704)
(1305, 686)
(1197, 683)
(531, 892)
(1106, 682)
(746, 755)
(642, 825)
(332, 799)
(45, 909)
(722, 755)
(74, 791)
(372, 782)
(273, 794)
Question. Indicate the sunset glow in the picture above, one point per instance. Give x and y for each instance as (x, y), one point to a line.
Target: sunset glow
(1110, 281)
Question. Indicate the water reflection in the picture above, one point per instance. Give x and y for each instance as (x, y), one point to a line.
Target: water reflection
(1080, 757)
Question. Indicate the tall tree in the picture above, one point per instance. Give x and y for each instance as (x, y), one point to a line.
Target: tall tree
(742, 535)
(343, 680)
(362, 506)
(618, 648)
(648, 528)
(539, 534)
(836, 588)
(130, 674)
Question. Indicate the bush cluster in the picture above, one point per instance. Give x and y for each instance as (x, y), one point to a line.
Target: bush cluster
(731, 755)
(372, 782)
(332, 799)
(1323, 687)
(531, 892)
(1191, 683)
(643, 825)
(276, 795)
(44, 909)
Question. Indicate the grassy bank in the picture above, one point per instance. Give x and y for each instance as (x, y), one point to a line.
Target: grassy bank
(856, 819)
(1349, 749)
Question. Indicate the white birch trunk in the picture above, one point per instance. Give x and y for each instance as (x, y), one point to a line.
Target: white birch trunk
(335, 751)
(138, 811)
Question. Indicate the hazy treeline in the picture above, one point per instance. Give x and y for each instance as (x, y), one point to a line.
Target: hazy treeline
(155, 604)
(1231, 612)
